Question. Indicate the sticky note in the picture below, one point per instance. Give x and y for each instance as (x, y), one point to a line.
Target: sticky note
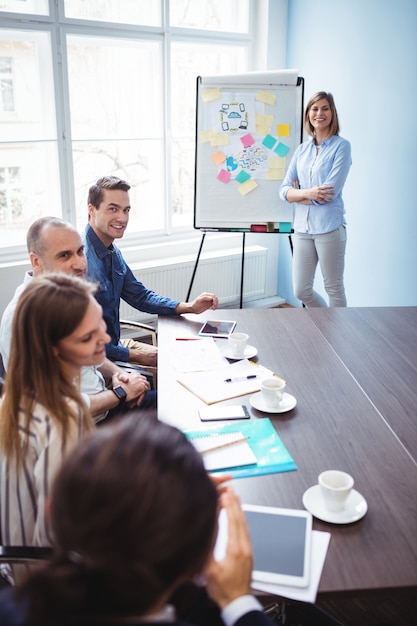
(277, 163)
(218, 157)
(264, 120)
(285, 227)
(205, 135)
(281, 149)
(223, 176)
(247, 140)
(265, 96)
(247, 187)
(269, 142)
(262, 130)
(242, 177)
(283, 130)
(219, 139)
(211, 94)
(275, 174)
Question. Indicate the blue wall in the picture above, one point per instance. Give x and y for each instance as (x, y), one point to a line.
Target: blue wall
(365, 53)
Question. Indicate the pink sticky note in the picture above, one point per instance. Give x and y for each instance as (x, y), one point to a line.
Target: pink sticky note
(224, 176)
(247, 140)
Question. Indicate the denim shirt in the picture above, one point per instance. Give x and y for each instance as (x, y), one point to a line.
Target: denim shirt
(116, 281)
(329, 167)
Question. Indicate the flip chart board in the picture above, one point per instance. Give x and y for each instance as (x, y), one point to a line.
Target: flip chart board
(247, 128)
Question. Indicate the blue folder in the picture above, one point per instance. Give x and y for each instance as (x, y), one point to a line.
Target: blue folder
(271, 454)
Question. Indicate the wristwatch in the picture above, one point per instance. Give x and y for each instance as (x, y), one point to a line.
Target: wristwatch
(120, 393)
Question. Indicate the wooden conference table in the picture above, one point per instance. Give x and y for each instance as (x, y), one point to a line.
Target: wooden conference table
(354, 375)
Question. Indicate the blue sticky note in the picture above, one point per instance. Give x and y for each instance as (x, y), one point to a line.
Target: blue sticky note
(242, 177)
(281, 149)
(269, 141)
(285, 227)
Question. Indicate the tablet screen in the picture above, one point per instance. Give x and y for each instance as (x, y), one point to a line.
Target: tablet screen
(217, 328)
(281, 543)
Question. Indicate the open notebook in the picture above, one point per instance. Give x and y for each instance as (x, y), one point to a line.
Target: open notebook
(224, 450)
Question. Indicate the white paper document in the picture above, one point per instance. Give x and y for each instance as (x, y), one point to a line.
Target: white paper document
(197, 355)
(210, 386)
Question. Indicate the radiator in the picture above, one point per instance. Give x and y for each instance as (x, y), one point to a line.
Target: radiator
(218, 274)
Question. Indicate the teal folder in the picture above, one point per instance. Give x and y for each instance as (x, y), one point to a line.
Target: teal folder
(271, 454)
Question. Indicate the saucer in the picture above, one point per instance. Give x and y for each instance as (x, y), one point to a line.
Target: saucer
(356, 507)
(287, 403)
(250, 352)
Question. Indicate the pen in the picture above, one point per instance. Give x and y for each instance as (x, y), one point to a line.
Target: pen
(187, 338)
(224, 445)
(236, 380)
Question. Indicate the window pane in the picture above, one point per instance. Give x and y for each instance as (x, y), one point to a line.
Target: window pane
(117, 123)
(144, 12)
(26, 93)
(29, 188)
(188, 62)
(138, 162)
(222, 15)
(39, 7)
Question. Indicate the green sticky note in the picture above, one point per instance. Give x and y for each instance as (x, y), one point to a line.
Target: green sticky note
(269, 141)
(242, 177)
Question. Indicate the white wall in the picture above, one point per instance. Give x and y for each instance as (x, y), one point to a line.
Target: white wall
(365, 53)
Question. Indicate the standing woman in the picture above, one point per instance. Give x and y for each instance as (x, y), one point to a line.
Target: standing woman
(57, 329)
(314, 181)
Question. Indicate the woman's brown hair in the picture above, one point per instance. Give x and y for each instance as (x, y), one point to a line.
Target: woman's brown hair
(49, 309)
(134, 515)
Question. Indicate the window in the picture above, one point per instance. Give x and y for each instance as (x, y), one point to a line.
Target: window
(108, 87)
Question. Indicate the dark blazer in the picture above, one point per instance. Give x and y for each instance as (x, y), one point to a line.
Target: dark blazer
(13, 613)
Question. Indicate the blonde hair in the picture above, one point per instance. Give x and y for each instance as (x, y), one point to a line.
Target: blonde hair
(49, 309)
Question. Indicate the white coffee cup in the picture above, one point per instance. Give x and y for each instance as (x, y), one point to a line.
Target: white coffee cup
(335, 486)
(272, 391)
(237, 344)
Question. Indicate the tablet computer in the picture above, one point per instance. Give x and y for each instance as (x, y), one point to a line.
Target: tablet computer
(281, 543)
(217, 328)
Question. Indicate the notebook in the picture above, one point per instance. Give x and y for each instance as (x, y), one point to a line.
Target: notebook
(224, 450)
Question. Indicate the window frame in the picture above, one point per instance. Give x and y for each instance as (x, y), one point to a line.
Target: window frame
(59, 27)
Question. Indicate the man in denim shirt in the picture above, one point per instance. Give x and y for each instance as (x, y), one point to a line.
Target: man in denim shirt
(108, 216)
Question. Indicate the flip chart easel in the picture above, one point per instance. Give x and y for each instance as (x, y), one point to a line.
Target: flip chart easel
(247, 129)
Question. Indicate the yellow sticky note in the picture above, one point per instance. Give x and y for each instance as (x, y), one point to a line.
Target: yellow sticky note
(264, 120)
(219, 139)
(275, 174)
(211, 94)
(246, 187)
(283, 130)
(205, 135)
(218, 157)
(262, 130)
(265, 96)
(277, 163)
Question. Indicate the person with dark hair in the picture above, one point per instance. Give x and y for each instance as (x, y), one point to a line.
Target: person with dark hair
(134, 518)
(314, 182)
(108, 217)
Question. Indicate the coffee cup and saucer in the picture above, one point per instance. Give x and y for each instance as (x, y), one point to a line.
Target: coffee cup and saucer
(334, 500)
(272, 398)
(237, 347)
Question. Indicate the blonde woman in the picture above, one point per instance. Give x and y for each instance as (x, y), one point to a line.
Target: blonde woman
(57, 329)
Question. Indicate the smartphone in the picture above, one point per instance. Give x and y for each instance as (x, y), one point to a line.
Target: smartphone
(224, 412)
